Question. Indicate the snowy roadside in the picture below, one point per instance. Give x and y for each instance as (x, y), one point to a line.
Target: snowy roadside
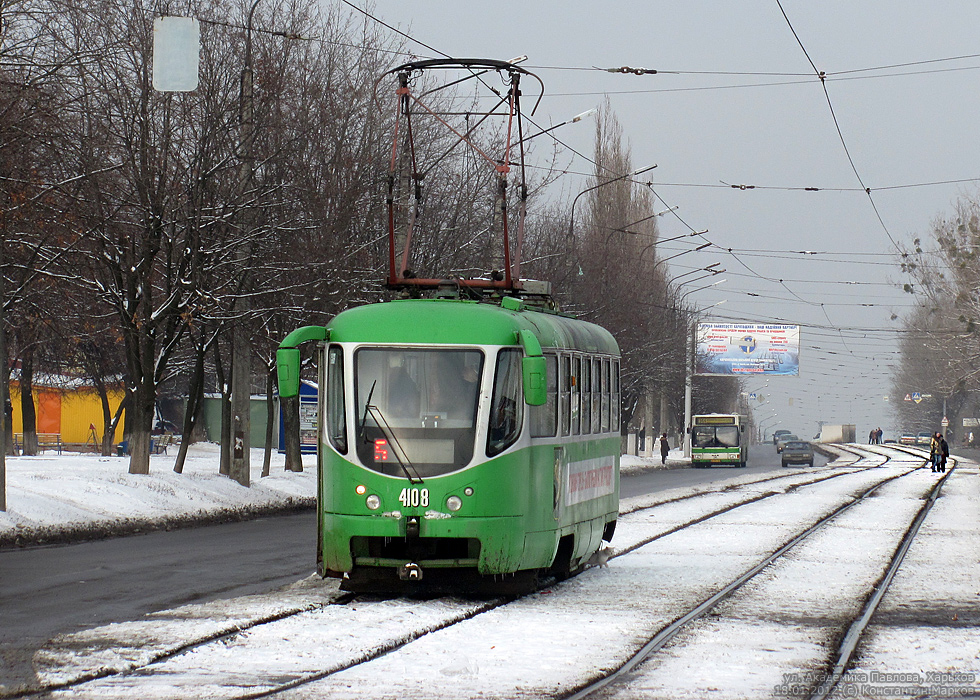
(62, 498)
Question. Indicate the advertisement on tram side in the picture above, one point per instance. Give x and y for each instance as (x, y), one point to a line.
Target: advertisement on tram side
(727, 349)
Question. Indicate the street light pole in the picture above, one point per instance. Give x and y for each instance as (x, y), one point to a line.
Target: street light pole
(241, 365)
(689, 375)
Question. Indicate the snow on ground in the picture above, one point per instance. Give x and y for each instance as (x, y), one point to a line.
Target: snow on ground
(541, 645)
(55, 497)
(775, 626)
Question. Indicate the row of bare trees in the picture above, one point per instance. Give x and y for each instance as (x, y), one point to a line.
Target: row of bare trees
(131, 247)
(940, 343)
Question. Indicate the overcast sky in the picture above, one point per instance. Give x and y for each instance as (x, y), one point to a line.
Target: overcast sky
(737, 101)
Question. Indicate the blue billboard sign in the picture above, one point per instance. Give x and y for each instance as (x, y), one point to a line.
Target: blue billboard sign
(727, 349)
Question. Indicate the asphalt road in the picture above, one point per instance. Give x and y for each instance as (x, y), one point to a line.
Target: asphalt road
(762, 458)
(45, 591)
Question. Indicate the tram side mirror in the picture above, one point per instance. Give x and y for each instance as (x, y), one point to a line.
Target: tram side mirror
(535, 386)
(287, 371)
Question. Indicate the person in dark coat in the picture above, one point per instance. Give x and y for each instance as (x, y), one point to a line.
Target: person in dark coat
(943, 452)
(664, 448)
(935, 450)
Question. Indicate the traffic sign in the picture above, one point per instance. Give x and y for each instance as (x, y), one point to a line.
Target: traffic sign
(917, 397)
(908, 397)
(944, 422)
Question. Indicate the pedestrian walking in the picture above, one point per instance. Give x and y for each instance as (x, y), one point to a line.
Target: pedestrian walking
(871, 437)
(943, 452)
(664, 448)
(935, 450)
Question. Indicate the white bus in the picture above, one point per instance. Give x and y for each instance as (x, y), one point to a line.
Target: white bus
(719, 438)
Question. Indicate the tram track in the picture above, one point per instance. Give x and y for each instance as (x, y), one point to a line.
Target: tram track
(224, 633)
(460, 613)
(852, 631)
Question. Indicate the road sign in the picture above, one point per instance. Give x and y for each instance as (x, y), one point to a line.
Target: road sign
(908, 397)
(944, 422)
(917, 397)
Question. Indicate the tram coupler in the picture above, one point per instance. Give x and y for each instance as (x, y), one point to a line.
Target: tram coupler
(410, 572)
(412, 527)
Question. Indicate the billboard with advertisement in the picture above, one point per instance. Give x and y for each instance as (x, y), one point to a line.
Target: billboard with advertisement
(731, 349)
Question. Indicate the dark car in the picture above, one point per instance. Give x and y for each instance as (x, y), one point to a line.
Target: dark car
(797, 452)
(777, 433)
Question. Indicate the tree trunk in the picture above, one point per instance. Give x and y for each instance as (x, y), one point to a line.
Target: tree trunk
(290, 416)
(28, 411)
(110, 428)
(141, 425)
(195, 396)
(270, 419)
(224, 439)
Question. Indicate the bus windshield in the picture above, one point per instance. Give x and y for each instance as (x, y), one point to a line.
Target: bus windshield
(715, 436)
(416, 409)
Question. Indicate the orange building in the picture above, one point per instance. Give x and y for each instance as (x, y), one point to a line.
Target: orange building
(68, 410)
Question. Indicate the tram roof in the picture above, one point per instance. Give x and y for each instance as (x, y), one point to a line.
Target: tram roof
(452, 321)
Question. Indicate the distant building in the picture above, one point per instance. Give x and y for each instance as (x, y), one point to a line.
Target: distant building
(66, 406)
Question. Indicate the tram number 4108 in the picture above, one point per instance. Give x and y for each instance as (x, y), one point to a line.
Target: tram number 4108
(414, 498)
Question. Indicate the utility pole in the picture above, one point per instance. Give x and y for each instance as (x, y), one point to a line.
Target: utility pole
(241, 360)
(688, 378)
(3, 380)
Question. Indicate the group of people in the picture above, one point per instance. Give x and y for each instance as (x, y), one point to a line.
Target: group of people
(874, 437)
(938, 452)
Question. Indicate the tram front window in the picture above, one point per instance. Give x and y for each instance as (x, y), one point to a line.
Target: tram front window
(715, 436)
(416, 409)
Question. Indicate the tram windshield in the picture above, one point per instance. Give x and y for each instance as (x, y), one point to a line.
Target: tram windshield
(416, 409)
(715, 436)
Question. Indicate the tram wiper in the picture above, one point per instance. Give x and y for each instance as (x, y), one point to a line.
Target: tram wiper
(367, 405)
(393, 441)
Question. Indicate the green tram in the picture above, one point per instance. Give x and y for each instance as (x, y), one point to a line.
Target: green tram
(461, 439)
(719, 438)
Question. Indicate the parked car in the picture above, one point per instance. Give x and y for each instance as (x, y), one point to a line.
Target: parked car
(797, 452)
(907, 439)
(924, 438)
(783, 439)
(777, 433)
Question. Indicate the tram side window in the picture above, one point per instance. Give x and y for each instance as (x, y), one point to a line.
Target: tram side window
(614, 398)
(506, 408)
(544, 418)
(596, 393)
(586, 395)
(604, 401)
(575, 381)
(336, 423)
(566, 393)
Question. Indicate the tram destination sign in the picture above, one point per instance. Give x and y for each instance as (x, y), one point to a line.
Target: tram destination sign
(726, 349)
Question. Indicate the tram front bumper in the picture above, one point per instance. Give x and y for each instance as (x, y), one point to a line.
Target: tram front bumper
(489, 544)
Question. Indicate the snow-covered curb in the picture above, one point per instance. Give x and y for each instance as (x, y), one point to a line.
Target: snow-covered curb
(72, 497)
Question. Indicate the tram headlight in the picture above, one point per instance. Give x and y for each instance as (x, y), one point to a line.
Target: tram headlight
(373, 502)
(454, 503)
(468, 491)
